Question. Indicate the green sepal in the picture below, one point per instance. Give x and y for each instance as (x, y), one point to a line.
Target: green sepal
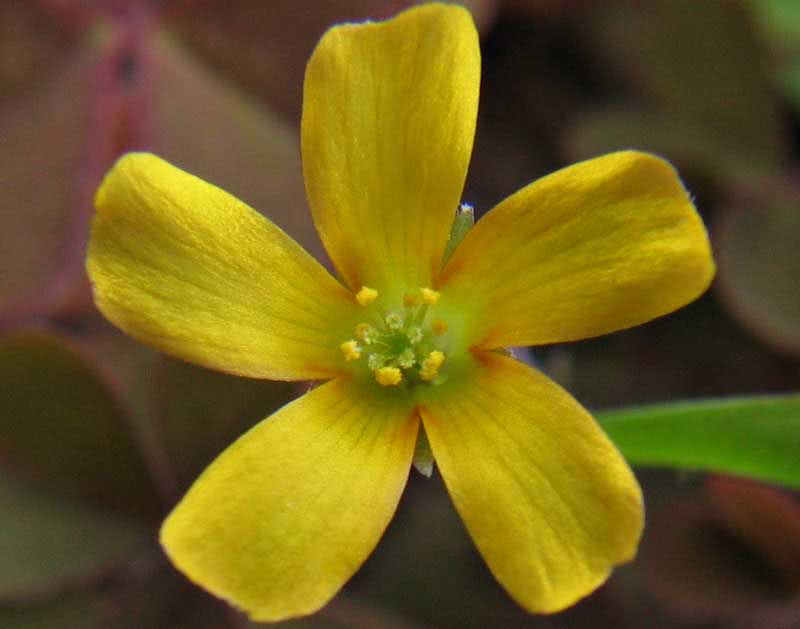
(423, 455)
(462, 223)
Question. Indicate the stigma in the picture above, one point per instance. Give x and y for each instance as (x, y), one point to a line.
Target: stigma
(400, 347)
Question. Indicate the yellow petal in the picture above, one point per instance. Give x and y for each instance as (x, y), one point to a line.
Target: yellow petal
(388, 121)
(600, 246)
(288, 513)
(189, 269)
(547, 498)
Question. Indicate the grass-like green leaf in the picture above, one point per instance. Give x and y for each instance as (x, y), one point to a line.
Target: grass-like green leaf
(755, 437)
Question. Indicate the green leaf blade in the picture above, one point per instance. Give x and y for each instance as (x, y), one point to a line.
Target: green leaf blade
(755, 437)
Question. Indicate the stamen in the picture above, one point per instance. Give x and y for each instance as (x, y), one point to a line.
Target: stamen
(401, 344)
(394, 321)
(407, 358)
(366, 333)
(429, 296)
(388, 376)
(410, 300)
(439, 327)
(414, 335)
(430, 366)
(366, 295)
(351, 350)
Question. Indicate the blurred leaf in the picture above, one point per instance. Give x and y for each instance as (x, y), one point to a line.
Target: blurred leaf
(164, 599)
(62, 428)
(345, 612)
(790, 79)
(210, 129)
(759, 266)
(713, 85)
(716, 77)
(426, 569)
(43, 138)
(312, 622)
(69, 612)
(696, 568)
(264, 47)
(764, 517)
(666, 360)
(48, 544)
(32, 45)
(542, 8)
(203, 412)
(781, 18)
(678, 140)
(131, 369)
(781, 21)
(756, 437)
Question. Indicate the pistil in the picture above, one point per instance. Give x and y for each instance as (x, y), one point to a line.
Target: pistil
(401, 346)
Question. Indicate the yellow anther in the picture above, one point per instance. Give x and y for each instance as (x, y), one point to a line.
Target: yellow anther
(439, 327)
(351, 350)
(410, 299)
(365, 332)
(366, 295)
(434, 360)
(429, 296)
(388, 376)
(430, 366)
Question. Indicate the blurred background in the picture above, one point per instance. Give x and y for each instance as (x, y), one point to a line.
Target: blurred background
(99, 436)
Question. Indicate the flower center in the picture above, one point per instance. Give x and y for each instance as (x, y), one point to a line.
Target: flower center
(403, 345)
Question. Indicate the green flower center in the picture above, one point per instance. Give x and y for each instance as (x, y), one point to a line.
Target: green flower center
(404, 345)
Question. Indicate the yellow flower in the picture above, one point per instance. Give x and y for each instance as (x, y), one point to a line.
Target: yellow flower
(280, 521)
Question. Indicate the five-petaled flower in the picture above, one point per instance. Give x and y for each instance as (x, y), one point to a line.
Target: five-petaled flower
(407, 340)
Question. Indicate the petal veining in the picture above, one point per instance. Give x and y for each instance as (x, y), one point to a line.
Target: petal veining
(389, 115)
(547, 498)
(599, 246)
(281, 519)
(184, 266)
